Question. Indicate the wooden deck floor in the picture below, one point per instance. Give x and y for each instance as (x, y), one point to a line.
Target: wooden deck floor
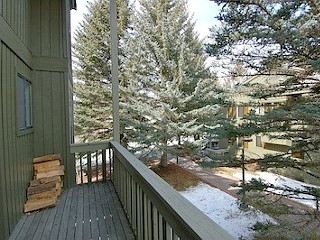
(89, 211)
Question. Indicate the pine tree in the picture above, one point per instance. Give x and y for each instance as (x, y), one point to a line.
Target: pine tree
(279, 38)
(165, 73)
(92, 69)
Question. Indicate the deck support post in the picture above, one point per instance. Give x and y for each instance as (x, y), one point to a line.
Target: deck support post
(114, 70)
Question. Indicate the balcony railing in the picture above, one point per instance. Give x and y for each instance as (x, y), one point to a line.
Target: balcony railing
(92, 161)
(154, 209)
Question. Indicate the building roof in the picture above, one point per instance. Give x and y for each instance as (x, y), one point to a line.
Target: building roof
(268, 80)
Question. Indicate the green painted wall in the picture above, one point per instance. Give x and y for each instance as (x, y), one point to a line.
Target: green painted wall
(3, 223)
(40, 53)
(51, 42)
(17, 147)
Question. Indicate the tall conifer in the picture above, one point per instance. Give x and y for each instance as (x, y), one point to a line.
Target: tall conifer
(92, 69)
(166, 75)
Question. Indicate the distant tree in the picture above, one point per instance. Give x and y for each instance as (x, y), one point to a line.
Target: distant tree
(282, 38)
(167, 88)
(92, 69)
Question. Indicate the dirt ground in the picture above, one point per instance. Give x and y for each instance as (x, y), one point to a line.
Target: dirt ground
(177, 177)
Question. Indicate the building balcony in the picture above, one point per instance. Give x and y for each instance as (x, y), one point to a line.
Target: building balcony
(117, 197)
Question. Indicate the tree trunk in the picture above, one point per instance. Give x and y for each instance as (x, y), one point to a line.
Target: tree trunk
(164, 159)
(164, 156)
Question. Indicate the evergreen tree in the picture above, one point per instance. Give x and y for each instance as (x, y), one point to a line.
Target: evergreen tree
(282, 38)
(92, 61)
(167, 99)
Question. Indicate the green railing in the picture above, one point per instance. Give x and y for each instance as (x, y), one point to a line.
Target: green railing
(154, 209)
(92, 161)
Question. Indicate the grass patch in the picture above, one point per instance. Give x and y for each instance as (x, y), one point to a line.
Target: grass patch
(176, 176)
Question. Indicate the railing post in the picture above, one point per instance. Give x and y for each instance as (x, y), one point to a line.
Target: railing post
(81, 168)
(104, 165)
(89, 168)
(110, 164)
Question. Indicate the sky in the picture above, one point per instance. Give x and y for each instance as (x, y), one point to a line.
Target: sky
(204, 12)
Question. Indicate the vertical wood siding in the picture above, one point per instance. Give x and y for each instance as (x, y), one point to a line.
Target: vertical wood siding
(3, 223)
(17, 14)
(51, 126)
(52, 98)
(16, 149)
(50, 30)
(39, 29)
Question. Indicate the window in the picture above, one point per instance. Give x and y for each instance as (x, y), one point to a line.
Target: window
(297, 154)
(258, 141)
(267, 107)
(240, 111)
(229, 112)
(258, 110)
(243, 111)
(24, 103)
(232, 111)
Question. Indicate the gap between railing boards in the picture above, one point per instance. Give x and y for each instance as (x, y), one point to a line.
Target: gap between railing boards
(92, 161)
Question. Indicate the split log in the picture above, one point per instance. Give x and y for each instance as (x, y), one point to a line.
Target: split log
(44, 187)
(39, 181)
(38, 167)
(47, 158)
(55, 171)
(48, 194)
(52, 168)
(36, 204)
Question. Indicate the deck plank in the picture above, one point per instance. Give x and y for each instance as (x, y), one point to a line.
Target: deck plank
(115, 217)
(18, 228)
(41, 225)
(54, 233)
(65, 215)
(70, 219)
(128, 233)
(117, 213)
(86, 214)
(79, 222)
(33, 226)
(24, 229)
(73, 214)
(94, 225)
(107, 212)
(103, 231)
(47, 228)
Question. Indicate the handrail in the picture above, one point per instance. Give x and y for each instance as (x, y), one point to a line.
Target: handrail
(89, 147)
(154, 209)
(91, 161)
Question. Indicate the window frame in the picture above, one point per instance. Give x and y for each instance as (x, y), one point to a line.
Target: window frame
(241, 111)
(258, 141)
(28, 111)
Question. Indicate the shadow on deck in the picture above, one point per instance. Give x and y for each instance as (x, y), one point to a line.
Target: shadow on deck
(88, 211)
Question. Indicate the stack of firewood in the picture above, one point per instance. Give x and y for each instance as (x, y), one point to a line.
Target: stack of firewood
(46, 186)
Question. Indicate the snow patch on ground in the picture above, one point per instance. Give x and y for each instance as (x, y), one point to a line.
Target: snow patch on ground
(284, 182)
(224, 210)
